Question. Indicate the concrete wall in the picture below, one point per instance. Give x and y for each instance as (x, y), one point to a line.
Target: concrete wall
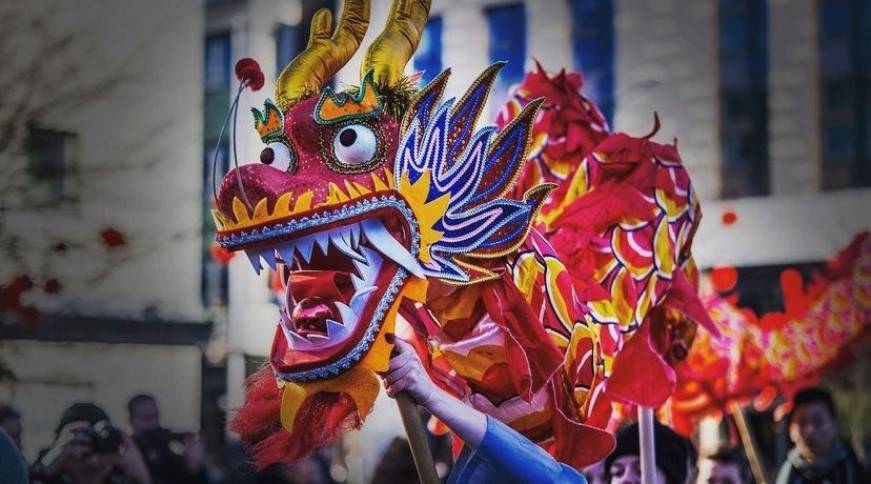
(666, 62)
(793, 105)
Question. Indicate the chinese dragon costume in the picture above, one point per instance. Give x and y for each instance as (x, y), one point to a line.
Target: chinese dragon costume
(761, 356)
(541, 264)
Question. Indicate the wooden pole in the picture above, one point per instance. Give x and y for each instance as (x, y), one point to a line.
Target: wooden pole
(647, 445)
(748, 442)
(417, 439)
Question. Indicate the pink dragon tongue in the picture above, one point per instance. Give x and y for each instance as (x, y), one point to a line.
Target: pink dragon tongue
(310, 316)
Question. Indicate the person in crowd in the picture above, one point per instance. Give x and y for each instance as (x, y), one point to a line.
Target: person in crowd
(819, 456)
(171, 457)
(88, 449)
(675, 457)
(725, 466)
(493, 452)
(13, 470)
(10, 421)
(595, 473)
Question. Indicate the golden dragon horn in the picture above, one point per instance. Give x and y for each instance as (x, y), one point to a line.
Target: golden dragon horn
(389, 53)
(325, 54)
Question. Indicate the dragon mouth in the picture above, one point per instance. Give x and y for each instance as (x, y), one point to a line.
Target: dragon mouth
(329, 279)
(339, 276)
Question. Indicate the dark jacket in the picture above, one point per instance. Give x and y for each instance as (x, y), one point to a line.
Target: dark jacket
(839, 467)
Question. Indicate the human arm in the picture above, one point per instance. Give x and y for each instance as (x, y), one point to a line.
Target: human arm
(131, 462)
(406, 373)
(70, 443)
(497, 452)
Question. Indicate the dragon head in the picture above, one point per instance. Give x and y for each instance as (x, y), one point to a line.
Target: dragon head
(361, 197)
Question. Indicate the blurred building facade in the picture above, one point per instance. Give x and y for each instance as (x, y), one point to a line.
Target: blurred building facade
(101, 210)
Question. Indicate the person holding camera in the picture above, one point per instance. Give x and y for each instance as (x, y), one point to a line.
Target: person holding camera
(171, 457)
(88, 449)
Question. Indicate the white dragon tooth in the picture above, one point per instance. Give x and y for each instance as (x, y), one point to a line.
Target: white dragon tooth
(336, 330)
(296, 341)
(349, 317)
(369, 270)
(305, 246)
(358, 283)
(254, 258)
(285, 251)
(363, 268)
(358, 302)
(269, 257)
(381, 239)
(354, 231)
(311, 336)
(323, 241)
(342, 244)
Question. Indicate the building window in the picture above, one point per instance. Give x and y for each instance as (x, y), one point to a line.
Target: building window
(743, 58)
(285, 46)
(217, 84)
(214, 278)
(593, 50)
(507, 27)
(51, 165)
(845, 92)
(428, 58)
(217, 58)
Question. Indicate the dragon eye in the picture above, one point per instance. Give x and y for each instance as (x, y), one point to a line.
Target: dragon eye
(355, 144)
(278, 156)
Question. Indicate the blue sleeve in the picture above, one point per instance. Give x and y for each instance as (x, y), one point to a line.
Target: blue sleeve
(506, 456)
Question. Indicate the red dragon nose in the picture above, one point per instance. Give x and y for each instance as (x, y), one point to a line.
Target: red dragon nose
(257, 181)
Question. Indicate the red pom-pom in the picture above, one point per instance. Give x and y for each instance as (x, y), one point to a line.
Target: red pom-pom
(220, 254)
(51, 285)
(729, 217)
(724, 278)
(112, 237)
(248, 69)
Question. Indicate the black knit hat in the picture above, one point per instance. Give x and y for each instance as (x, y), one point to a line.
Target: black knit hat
(673, 452)
(77, 412)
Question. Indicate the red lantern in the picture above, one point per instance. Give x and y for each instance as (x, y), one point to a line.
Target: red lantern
(724, 278)
(729, 217)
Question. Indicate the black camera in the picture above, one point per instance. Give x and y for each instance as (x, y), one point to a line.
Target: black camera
(104, 438)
